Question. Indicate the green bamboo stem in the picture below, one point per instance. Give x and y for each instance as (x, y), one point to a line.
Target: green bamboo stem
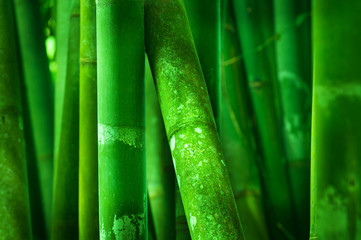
(39, 92)
(62, 35)
(205, 20)
(237, 137)
(65, 198)
(181, 227)
(335, 166)
(88, 144)
(151, 228)
(295, 88)
(14, 195)
(160, 172)
(255, 30)
(121, 144)
(38, 226)
(187, 113)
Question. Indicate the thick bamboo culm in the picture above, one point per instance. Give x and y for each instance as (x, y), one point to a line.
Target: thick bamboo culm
(336, 135)
(121, 143)
(187, 113)
(14, 194)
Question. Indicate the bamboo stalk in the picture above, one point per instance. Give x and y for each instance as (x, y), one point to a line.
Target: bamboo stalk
(335, 165)
(88, 144)
(65, 198)
(294, 77)
(255, 30)
(63, 10)
(187, 113)
(205, 23)
(160, 173)
(181, 227)
(237, 136)
(39, 92)
(122, 167)
(14, 195)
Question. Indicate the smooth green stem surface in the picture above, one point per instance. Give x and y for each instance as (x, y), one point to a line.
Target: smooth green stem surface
(237, 136)
(336, 136)
(14, 195)
(205, 20)
(160, 172)
(294, 77)
(88, 134)
(39, 95)
(121, 143)
(66, 172)
(187, 113)
(254, 22)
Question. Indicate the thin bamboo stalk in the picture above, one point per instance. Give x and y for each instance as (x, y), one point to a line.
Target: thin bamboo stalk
(39, 92)
(160, 172)
(88, 133)
(14, 195)
(237, 136)
(205, 20)
(336, 137)
(181, 227)
(187, 113)
(255, 30)
(63, 9)
(122, 167)
(294, 77)
(66, 172)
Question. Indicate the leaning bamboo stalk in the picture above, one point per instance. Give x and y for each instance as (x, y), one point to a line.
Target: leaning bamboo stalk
(255, 30)
(88, 144)
(205, 23)
(39, 92)
(160, 172)
(187, 113)
(294, 77)
(14, 194)
(181, 226)
(121, 144)
(336, 137)
(237, 136)
(65, 197)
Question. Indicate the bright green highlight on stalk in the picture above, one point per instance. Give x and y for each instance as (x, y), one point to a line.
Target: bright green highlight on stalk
(121, 144)
(336, 135)
(187, 113)
(88, 144)
(14, 194)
